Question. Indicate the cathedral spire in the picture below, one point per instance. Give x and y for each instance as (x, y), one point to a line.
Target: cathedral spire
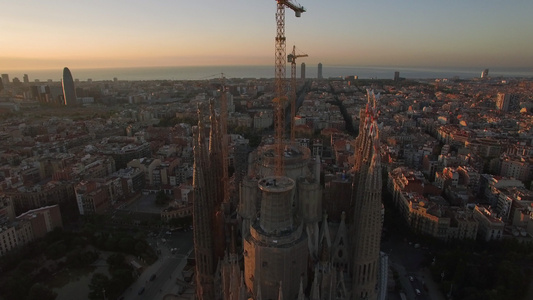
(367, 210)
(315, 293)
(324, 240)
(202, 220)
(242, 289)
(301, 295)
(340, 250)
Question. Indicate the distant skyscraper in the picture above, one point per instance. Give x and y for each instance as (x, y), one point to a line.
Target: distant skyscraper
(507, 102)
(69, 93)
(485, 73)
(1, 85)
(302, 71)
(5, 79)
(319, 70)
(396, 76)
(26, 78)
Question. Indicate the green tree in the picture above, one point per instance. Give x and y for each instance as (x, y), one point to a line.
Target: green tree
(126, 244)
(16, 286)
(56, 250)
(99, 283)
(116, 261)
(27, 266)
(122, 278)
(41, 292)
(161, 198)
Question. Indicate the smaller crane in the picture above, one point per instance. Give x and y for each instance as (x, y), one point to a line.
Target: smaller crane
(292, 59)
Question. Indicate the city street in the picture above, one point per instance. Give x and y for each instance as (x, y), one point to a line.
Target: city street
(414, 277)
(166, 269)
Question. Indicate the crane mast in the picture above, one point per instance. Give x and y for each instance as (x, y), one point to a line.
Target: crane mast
(292, 59)
(281, 98)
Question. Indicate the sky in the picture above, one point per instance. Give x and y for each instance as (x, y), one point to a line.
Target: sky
(389, 33)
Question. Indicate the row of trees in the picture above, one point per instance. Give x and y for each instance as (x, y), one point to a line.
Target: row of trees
(495, 270)
(121, 278)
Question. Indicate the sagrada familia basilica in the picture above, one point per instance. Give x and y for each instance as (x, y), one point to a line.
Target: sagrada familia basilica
(269, 237)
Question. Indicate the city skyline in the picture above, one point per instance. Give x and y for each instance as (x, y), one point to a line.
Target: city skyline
(79, 34)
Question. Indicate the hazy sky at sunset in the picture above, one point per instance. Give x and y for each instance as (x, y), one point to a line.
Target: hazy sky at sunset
(130, 33)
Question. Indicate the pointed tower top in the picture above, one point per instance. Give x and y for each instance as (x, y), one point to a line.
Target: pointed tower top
(258, 294)
(242, 290)
(233, 247)
(301, 295)
(280, 294)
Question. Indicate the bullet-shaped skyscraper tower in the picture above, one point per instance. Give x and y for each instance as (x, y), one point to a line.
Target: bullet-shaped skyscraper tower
(69, 92)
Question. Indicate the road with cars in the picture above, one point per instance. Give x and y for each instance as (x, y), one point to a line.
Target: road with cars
(159, 279)
(407, 259)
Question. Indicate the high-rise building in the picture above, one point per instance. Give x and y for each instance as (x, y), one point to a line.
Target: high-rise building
(396, 76)
(5, 79)
(1, 85)
(319, 71)
(507, 102)
(69, 92)
(26, 79)
(302, 71)
(485, 73)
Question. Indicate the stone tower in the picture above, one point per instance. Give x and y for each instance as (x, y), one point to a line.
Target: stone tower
(275, 250)
(366, 200)
(203, 212)
(279, 214)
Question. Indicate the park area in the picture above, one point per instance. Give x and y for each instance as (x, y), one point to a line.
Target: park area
(75, 265)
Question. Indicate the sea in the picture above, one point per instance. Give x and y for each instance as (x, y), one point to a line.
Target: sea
(212, 72)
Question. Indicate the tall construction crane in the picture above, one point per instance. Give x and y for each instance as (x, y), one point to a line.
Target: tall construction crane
(292, 59)
(281, 97)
